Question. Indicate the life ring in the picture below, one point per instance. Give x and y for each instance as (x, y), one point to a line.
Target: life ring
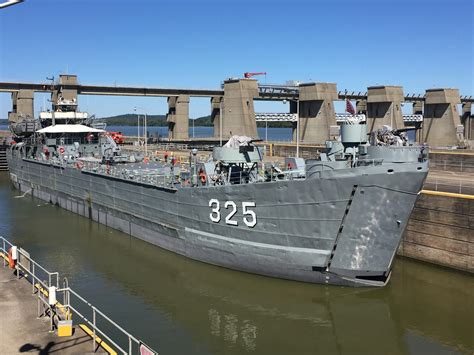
(11, 262)
(79, 165)
(146, 160)
(61, 150)
(202, 176)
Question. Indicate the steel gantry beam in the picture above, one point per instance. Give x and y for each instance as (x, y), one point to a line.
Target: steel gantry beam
(408, 98)
(110, 90)
(266, 92)
(277, 92)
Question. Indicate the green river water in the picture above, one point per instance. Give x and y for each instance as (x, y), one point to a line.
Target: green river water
(180, 306)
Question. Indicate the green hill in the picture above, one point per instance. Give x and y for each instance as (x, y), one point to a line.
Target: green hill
(130, 119)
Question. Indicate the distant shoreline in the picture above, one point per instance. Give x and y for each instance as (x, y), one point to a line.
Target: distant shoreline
(160, 121)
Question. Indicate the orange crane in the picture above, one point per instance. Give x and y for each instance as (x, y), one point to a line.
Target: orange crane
(249, 75)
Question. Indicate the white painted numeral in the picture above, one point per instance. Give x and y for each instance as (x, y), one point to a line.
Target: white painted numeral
(228, 219)
(215, 215)
(252, 221)
(249, 216)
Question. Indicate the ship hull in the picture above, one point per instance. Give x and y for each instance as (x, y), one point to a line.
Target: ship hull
(342, 228)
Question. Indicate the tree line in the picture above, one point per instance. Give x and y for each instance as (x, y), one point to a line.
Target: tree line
(160, 121)
(130, 119)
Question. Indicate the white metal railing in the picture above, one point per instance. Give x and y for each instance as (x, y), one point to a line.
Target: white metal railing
(450, 165)
(37, 275)
(276, 117)
(67, 292)
(413, 118)
(343, 117)
(458, 186)
(340, 117)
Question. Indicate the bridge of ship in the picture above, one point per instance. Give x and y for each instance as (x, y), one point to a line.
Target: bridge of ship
(232, 107)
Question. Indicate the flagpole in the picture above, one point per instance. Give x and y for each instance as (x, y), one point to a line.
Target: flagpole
(298, 129)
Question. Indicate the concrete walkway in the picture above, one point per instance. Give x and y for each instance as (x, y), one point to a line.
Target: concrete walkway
(20, 329)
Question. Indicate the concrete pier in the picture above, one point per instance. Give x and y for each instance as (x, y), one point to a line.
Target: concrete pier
(216, 102)
(381, 104)
(21, 330)
(361, 107)
(417, 109)
(442, 123)
(64, 91)
(316, 112)
(238, 116)
(178, 117)
(467, 120)
(384, 107)
(22, 105)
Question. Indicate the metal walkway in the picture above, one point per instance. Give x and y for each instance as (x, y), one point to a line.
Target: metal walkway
(46, 285)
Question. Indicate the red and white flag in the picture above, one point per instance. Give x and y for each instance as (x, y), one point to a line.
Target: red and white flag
(349, 108)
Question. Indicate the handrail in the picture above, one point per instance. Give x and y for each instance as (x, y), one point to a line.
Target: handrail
(31, 272)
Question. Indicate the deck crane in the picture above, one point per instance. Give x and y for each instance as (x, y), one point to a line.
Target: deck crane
(248, 75)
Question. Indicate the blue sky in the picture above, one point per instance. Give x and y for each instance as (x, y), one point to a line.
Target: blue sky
(418, 44)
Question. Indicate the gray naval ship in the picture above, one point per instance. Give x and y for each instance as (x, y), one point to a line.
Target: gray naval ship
(335, 219)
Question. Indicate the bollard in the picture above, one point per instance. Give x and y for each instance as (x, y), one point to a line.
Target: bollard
(14, 250)
(14, 253)
(52, 302)
(52, 295)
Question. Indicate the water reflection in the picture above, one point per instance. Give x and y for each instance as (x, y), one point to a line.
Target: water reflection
(182, 306)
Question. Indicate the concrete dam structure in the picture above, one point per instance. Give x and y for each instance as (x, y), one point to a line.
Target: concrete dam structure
(435, 113)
